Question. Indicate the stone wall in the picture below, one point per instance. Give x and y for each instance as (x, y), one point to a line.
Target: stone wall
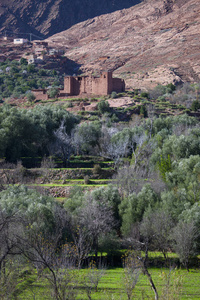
(118, 85)
(102, 85)
(88, 85)
(40, 94)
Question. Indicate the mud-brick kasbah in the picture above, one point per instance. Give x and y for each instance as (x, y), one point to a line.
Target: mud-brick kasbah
(86, 85)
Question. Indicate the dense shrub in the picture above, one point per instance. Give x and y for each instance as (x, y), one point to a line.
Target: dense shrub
(103, 106)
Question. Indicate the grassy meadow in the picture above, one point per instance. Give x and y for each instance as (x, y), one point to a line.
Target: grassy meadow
(171, 284)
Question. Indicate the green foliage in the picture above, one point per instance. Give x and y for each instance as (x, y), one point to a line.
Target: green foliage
(191, 214)
(37, 208)
(86, 179)
(16, 78)
(170, 87)
(86, 137)
(164, 165)
(103, 106)
(114, 118)
(30, 97)
(75, 200)
(97, 169)
(133, 207)
(143, 111)
(23, 61)
(170, 145)
(144, 95)
(110, 196)
(114, 95)
(52, 92)
(42, 72)
(28, 132)
(31, 68)
(195, 105)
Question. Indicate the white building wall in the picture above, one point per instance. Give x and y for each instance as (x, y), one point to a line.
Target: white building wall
(20, 41)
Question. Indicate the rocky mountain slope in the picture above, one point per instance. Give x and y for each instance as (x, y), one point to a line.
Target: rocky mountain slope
(48, 17)
(156, 41)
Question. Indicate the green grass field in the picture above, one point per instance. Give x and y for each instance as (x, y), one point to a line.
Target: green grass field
(182, 285)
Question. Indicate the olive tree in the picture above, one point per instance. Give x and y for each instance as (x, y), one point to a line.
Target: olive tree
(86, 137)
(33, 226)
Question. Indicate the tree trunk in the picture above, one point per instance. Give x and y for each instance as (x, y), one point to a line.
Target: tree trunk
(151, 282)
(146, 272)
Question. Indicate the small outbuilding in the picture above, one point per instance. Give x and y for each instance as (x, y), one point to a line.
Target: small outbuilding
(20, 41)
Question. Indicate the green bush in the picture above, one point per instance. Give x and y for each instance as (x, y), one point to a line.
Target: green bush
(69, 104)
(113, 95)
(86, 179)
(195, 105)
(23, 61)
(93, 118)
(170, 88)
(114, 118)
(143, 111)
(144, 95)
(53, 92)
(30, 97)
(96, 169)
(103, 106)
(42, 72)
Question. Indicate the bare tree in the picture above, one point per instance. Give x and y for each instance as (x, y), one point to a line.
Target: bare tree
(156, 229)
(106, 135)
(92, 278)
(184, 235)
(173, 282)
(82, 243)
(136, 145)
(151, 113)
(62, 144)
(127, 180)
(135, 242)
(8, 240)
(10, 264)
(97, 219)
(132, 269)
(47, 164)
(116, 150)
(20, 236)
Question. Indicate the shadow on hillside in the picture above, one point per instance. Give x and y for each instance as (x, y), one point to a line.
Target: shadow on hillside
(71, 67)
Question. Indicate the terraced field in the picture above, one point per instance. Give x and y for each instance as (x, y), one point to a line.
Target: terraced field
(58, 181)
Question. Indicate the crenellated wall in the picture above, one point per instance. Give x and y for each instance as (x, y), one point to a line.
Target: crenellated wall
(88, 85)
(102, 85)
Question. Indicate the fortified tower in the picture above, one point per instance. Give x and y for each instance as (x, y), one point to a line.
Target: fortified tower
(103, 85)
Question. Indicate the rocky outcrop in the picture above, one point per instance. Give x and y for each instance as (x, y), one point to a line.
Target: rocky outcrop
(156, 41)
(48, 17)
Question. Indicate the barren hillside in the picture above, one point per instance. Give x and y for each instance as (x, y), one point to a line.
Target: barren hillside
(48, 17)
(153, 42)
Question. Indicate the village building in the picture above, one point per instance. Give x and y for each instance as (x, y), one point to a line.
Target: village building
(86, 85)
(20, 41)
(39, 50)
(103, 85)
(36, 59)
(40, 44)
(56, 52)
(40, 47)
